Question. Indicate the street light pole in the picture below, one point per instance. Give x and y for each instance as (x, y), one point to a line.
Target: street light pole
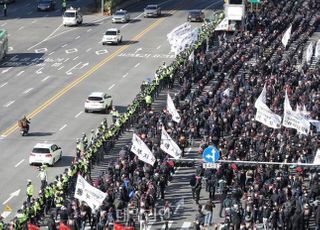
(102, 7)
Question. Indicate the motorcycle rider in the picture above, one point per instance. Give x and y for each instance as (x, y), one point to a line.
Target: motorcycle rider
(24, 123)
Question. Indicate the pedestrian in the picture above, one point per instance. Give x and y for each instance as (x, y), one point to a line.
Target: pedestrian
(166, 214)
(5, 9)
(208, 212)
(43, 176)
(29, 191)
(196, 189)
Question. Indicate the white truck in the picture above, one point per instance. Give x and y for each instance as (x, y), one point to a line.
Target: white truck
(72, 17)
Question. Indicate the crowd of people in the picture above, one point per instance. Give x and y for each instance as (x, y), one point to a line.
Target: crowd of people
(215, 100)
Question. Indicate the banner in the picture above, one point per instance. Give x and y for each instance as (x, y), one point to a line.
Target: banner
(293, 119)
(316, 160)
(141, 150)
(309, 52)
(86, 192)
(317, 52)
(169, 146)
(172, 110)
(264, 114)
(286, 36)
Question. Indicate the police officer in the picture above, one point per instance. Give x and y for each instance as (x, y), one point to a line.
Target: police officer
(148, 100)
(43, 176)
(115, 114)
(29, 191)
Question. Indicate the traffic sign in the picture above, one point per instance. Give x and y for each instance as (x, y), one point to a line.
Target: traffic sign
(210, 165)
(211, 154)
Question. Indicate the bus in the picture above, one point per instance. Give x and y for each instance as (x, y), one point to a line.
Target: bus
(3, 44)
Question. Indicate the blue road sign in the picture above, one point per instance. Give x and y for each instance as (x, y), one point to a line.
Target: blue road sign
(211, 154)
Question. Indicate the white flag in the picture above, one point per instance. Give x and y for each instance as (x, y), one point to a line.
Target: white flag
(286, 36)
(172, 110)
(293, 119)
(264, 114)
(317, 52)
(169, 146)
(316, 160)
(141, 150)
(309, 52)
(88, 193)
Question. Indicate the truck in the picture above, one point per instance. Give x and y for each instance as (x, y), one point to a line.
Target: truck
(72, 17)
(3, 43)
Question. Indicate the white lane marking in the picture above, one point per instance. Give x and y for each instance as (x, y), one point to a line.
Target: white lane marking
(101, 19)
(34, 21)
(3, 84)
(21, 72)
(31, 47)
(64, 45)
(46, 78)
(65, 125)
(30, 12)
(76, 67)
(6, 70)
(89, 30)
(19, 163)
(39, 71)
(111, 86)
(77, 37)
(66, 59)
(27, 91)
(51, 53)
(13, 194)
(4, 24)
(78, 114)
(186, 225)
(9, 103)
(60, 67)
(137, 50)
(124, 76)
(158, 47)
(132, 19)
(76, 58)
(88, 49)
(21, 27)
(137, 65)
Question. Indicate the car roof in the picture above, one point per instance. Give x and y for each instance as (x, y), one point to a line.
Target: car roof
(112, 29)
(71, 9)
(43, 145)
(96, 94)
(121, 10)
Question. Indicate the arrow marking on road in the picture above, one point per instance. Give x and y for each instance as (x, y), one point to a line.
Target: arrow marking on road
(16, 193)
(21, 72)
(3, 84)
(9, 103)
(65, 125)
(112, 86)
(6, 70)
(19, 163)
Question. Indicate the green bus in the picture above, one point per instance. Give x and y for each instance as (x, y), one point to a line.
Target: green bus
(3, 44)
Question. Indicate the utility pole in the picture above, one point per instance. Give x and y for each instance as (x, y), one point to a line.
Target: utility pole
(102, 7)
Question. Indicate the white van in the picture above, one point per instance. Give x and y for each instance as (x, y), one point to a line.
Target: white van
(72, 17)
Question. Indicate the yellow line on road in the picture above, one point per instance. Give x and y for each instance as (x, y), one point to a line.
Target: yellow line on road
(63, 91)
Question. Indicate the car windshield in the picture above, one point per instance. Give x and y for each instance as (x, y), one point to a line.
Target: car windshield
(111, 33)
(95, 98)
(69, 14)
(41, 150)
(119, 13)
(151, 8)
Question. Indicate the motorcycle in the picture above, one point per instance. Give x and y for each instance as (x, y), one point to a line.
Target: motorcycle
(24, 131)
(24, 127)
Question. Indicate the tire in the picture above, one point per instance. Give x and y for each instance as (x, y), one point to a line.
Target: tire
(86, 111)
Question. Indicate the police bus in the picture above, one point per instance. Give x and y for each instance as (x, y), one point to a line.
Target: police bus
(3, 44)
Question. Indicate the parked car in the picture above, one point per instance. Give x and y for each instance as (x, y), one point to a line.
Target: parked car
(72, 17)
(112, 36)
(98, 101)
(45, 5)
(196, 16)
(120, 16)
(44, 153)
(152, 11)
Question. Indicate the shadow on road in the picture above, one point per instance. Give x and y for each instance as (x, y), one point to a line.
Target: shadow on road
(40, 134)
(128, 42)
(21, 59)
(65, 161)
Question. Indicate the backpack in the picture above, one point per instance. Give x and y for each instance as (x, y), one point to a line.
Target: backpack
(193, 181)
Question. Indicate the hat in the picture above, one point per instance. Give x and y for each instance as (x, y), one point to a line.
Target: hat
(29, 180)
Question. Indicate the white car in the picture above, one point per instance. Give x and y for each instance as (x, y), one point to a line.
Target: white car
(72, 17)
(43, 153)
(112, 36)
(98, 101)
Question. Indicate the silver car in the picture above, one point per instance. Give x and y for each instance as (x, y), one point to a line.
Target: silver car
(120, 16)
(152, 11)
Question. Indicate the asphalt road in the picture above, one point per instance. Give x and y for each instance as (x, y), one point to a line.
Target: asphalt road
(51, 69)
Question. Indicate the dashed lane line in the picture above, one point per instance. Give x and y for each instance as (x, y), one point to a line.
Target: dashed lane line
(65, 125)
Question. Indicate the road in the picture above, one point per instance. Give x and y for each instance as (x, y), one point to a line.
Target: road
(51, 69)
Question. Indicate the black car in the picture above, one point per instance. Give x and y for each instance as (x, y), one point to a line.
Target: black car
(196, 16)
(44, 5)
(6, 1)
